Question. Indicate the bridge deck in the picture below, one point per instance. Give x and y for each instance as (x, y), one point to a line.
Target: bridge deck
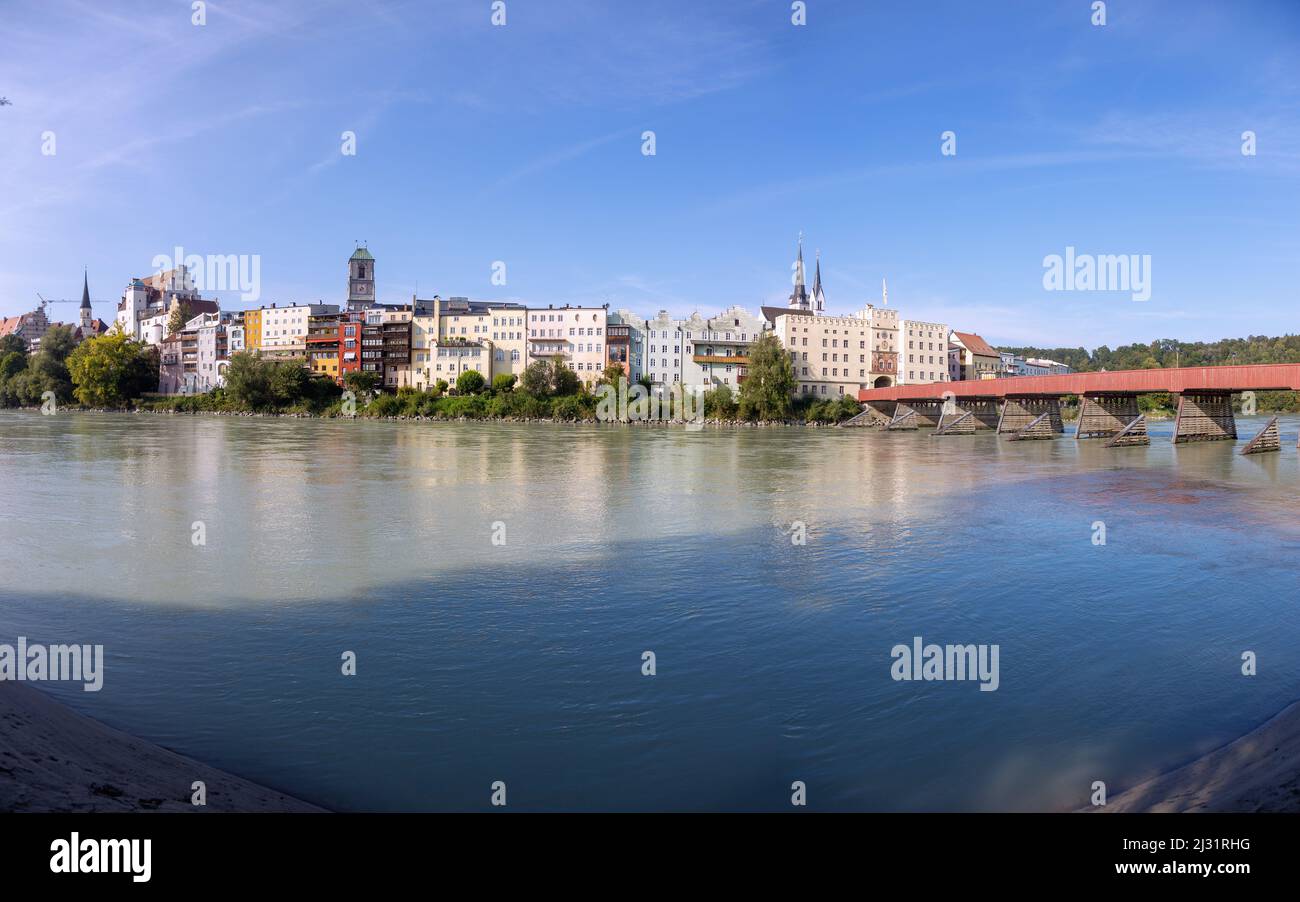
(1254, 377)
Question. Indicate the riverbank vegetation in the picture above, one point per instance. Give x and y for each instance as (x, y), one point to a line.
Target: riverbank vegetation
(544, 391)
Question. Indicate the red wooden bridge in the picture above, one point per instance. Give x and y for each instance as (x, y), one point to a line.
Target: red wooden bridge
(1029, 407)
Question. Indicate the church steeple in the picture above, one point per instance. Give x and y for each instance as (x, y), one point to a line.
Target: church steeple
(818, 296)
(85, 317)
(799, 297)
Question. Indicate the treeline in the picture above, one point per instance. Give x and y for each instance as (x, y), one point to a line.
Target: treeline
(107, 371)
(114, 371)
(1167, 352)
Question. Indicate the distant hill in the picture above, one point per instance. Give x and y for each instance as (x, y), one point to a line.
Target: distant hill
(1168, 352)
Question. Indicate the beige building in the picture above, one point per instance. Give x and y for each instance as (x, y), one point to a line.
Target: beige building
(923, 352)
(830, 354)
(460, 335)
(834, 355)
(971, 357)
(883, 342)
(574, 335)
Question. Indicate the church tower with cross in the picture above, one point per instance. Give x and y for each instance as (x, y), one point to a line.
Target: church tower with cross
(361, 279)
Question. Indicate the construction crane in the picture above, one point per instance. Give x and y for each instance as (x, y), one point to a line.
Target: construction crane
(45, 303)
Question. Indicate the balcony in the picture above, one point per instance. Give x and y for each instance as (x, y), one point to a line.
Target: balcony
(720, 358)
(547, 352)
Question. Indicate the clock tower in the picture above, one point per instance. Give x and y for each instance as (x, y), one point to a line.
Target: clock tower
(361, 279)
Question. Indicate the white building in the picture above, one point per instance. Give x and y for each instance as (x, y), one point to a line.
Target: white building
(145, 309)
(717, 348)
(923, 352)
(284, 329)
(665, 340)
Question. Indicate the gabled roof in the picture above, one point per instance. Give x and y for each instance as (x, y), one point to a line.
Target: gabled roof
(975, 344)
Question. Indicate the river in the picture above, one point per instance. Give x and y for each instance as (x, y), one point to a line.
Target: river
(499, 584)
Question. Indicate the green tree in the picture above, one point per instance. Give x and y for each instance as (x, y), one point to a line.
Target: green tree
(537, 379)
(765, 393)
(361, 383)
(178, 316)
(48, 367)
(503, 382)
(106, 370)
(470, 382)
(248, 381)
(289, 382)
(611, 375)
(720, 403)
(12, 343)
(564, 381)
(12, 363)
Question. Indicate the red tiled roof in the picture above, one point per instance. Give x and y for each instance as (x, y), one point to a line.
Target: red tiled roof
(975, 344)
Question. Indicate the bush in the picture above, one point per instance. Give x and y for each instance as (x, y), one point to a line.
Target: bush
(570, 407)
(503, 382)
(720, 403)
(384, 406)
(470, 382)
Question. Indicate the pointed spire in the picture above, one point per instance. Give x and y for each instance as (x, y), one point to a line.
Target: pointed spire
(818, 296)
(85, 290)
(799, 297)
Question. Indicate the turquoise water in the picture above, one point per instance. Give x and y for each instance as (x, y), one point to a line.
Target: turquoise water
(522, 662)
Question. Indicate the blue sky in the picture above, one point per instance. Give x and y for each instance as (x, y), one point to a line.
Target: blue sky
(522, 144)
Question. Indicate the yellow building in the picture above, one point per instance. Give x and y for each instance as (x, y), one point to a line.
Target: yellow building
(252, 330)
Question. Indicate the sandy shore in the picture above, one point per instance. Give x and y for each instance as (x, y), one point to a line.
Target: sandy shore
(1258, 772)
(53, 759)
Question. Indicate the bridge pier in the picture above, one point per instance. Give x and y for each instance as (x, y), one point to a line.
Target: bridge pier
(1267, 439)
(919, 412)
(967, 417)
(1019, 413)
(1040, 427)
(1134, 433)
(956, 424)
(1204, 416)
(1105, 416)
(904, 417)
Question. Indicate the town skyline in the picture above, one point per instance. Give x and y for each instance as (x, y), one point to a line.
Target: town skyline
(524, 144)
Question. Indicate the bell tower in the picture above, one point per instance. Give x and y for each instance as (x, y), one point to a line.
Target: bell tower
(361, 279)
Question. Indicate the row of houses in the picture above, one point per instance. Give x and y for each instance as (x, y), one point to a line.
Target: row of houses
(429, 340)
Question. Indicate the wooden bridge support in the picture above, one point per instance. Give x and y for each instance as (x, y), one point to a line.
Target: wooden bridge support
(1134, 433)
(870, 416)
(1105, 416)
(1020, 413)
(1204, 417)
(1267, 439)
(1040, 427)
(928, 412)
(957, 424)
(969, 416)
(904, 418)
